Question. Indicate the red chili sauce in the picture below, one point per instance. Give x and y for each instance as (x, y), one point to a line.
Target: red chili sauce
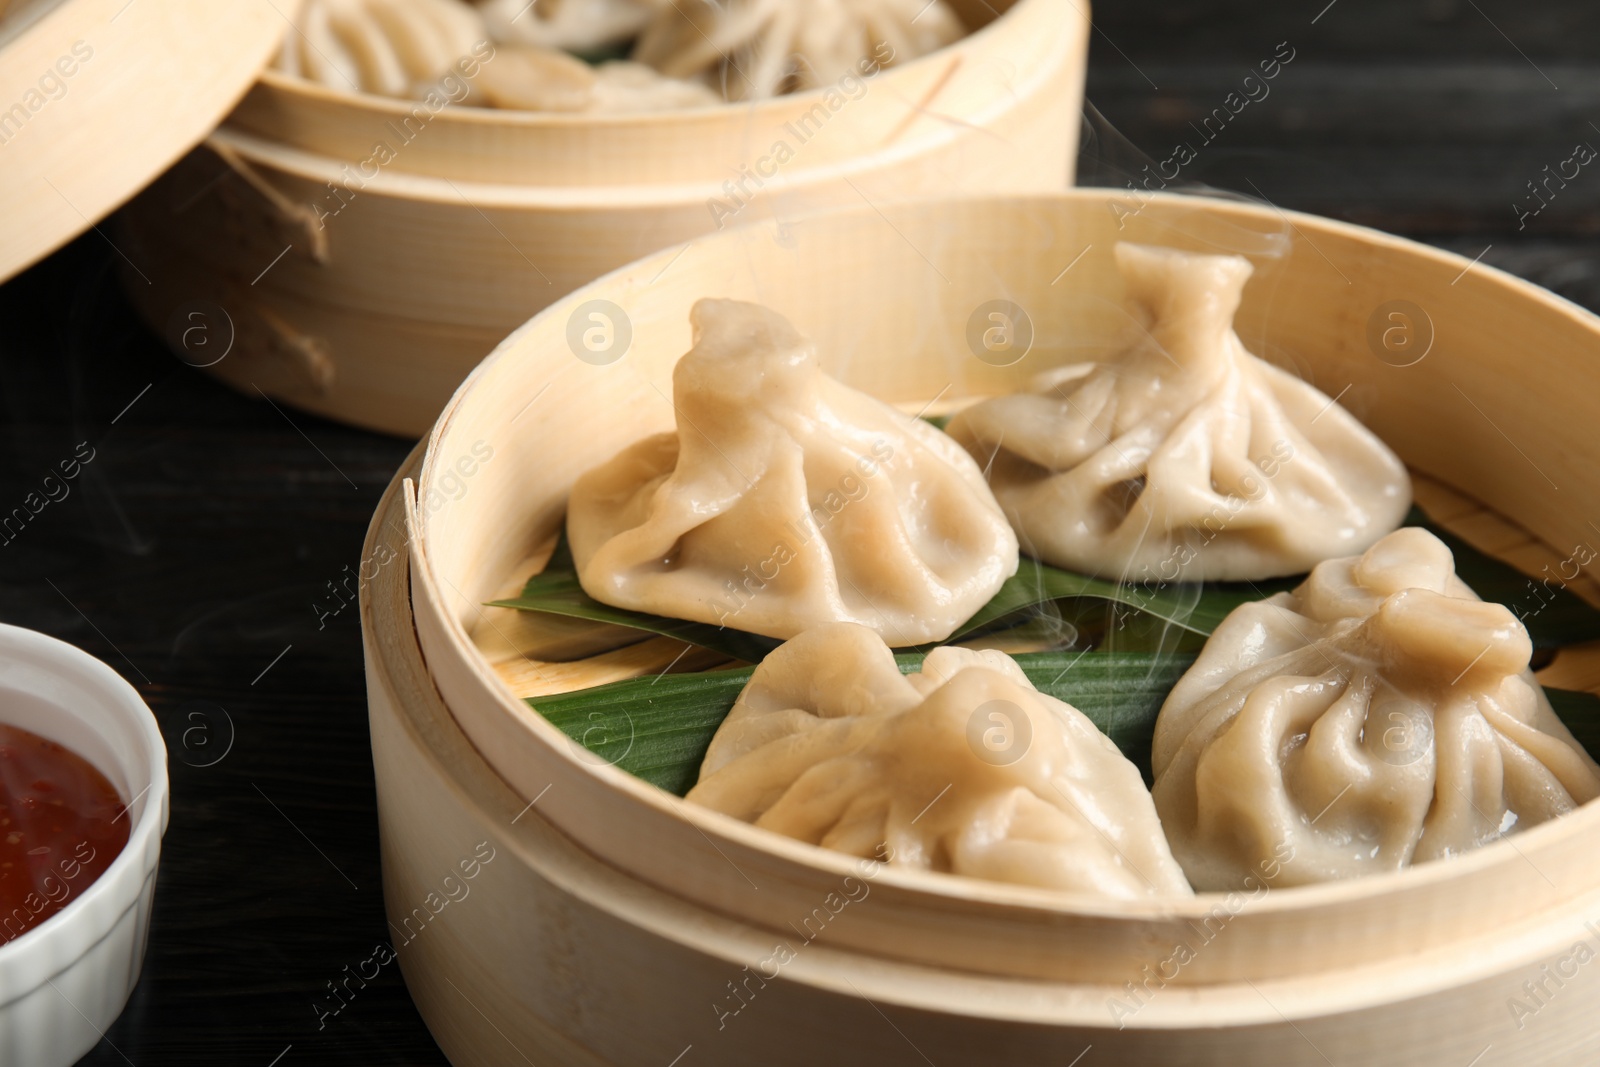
(61, 825)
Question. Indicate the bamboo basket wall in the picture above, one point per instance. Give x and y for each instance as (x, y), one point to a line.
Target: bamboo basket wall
(369, 300)
(622, 912)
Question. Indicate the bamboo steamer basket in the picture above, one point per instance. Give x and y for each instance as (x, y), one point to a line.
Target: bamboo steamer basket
(86, 81)
(622, 920)
(368, 298)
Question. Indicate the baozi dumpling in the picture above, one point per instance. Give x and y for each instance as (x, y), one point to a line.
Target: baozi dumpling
(963, 767)
(388, 47)
(574, 25)
(1185, 457)
(1380, 715)
(755, 49)
(786, 499)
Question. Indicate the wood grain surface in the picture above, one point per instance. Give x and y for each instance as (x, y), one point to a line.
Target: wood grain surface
(199, 543)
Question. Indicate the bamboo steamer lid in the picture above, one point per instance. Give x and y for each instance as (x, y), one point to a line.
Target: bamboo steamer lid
(99, 97)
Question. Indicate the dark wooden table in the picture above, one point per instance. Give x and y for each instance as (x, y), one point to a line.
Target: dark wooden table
(200, 551)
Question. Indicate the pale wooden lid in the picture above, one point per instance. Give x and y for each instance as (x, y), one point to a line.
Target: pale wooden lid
(98, 97)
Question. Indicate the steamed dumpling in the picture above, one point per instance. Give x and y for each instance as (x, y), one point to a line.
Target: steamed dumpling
(575, 25)
(1185, 457)
(530, 78)
(754, 49)
(963, 768)
(621, 86)
(388, 47)
(406, 48)
(786, 499)
(1380, 715)
(526, 78)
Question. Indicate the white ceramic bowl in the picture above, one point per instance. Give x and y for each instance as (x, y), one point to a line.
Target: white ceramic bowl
(64, 982)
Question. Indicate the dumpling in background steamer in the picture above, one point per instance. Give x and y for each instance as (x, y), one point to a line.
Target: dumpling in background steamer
(1379, 716)
(621, 86)
(1185, 457)
(753, 49)
(530, 78)
(830, 744)
(394, 48)
(574, 25)
(526, 78)
(786, 499)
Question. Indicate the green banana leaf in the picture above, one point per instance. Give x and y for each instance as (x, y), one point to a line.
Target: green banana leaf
(658, 728)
